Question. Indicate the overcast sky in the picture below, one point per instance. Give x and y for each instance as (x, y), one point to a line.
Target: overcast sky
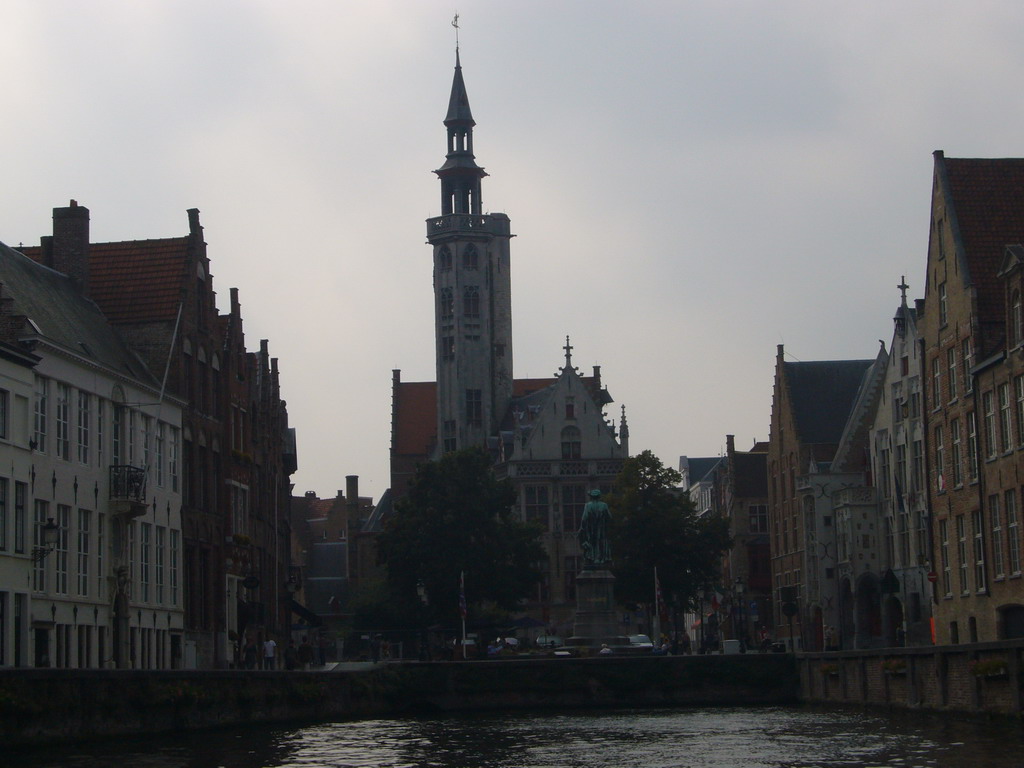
(690, 183)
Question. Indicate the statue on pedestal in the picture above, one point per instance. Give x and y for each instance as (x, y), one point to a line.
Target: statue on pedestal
(593, 532)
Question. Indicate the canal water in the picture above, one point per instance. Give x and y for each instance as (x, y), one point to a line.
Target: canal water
(694, 738)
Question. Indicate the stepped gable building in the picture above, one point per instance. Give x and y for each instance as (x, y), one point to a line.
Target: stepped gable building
(819, 410)
(972, 335)
(82, 419)
(549, 436)
(237, 451)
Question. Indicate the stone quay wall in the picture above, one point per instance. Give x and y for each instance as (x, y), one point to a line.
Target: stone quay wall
(971, 678)
(39, 706)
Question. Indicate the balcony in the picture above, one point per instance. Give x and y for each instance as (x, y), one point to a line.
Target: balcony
(465, 222)
(127, 490)
(568, 468)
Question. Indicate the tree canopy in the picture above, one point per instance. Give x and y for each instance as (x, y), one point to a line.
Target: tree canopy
(655, 525)
(459, 518)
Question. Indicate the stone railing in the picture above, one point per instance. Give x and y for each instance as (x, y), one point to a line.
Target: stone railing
(464, 222)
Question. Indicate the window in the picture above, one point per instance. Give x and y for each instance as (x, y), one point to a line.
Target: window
(3, 513)
(980, 581)
(469, 257)
(936, 384)
(951, 365)
(161, 533)
(901, 469)
(943, 310)
(147, 440)
(145, 559)
(450, 444)
(63, 425)
(536, 505)
(173, 562)
(101, 412)
(570, 408)
(947, 573)
(61, 550)
(444, 258)
(965, 353)
(84, 414)
(101, 522)
(1005, 428)
(570, 443)
(883, 472)
(954, 434)
(39, 414)
(996, 523)
(446, 303)
(447, 348)
(972, 446)
(989, 410)
(904, 536)
(574, 498)
(1018, 386)
(1016, 326)
(1012, 532)
(161, 438)
(917, 465)
(42, 512)
(758, 518)
(20, 523)
(83, 552)
(471, 302)
(940, 461)
(4, 405)
(961, 551)
(474, 407)
(172, 459)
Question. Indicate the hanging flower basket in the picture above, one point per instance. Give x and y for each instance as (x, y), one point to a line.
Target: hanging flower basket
(894, 667)
(992, 669)
(830, 670)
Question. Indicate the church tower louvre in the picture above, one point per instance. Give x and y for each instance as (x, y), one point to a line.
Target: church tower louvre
(472, 292)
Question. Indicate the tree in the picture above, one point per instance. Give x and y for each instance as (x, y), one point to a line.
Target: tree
(458, 518)
(654, 525)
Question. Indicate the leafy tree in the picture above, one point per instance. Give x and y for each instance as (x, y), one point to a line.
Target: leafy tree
(458, 518)
(654, 525)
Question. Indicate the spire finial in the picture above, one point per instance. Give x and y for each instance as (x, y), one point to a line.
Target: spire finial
(568, 353)
(455, 23)
(903, 287)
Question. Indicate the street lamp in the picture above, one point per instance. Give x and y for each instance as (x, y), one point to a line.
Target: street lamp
(51, 535)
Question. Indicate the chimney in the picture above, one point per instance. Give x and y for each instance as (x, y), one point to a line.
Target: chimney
(352, 489)
(71, 243)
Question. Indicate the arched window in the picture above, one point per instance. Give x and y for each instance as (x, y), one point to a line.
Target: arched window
(469, 257)
(444, 258)
(1016, 320)
(471, 302)
(447, 302)
(570, 443)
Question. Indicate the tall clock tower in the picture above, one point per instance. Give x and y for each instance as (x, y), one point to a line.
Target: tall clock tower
(472, 292)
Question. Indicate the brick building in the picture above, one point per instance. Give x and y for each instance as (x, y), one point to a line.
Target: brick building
(237, 451)
(971, 331)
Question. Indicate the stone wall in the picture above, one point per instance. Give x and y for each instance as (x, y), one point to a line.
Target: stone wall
(46, 705)
(977, 678)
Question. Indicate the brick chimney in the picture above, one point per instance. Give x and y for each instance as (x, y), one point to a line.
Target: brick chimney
(71, 243)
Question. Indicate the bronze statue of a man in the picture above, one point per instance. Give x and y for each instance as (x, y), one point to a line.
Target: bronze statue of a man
(594, 532)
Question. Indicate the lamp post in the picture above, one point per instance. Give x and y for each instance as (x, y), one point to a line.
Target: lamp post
(51, 535)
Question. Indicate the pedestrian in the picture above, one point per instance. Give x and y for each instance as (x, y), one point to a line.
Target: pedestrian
(291, 656)
(249, 654)
(305, 653)
(269, 653)
(322, 647)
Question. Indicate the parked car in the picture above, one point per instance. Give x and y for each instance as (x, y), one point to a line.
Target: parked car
(549, 641)
(640, 641)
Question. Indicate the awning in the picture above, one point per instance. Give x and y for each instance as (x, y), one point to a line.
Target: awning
(300, 610)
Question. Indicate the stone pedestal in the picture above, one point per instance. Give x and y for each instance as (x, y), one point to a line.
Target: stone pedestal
(596, 619)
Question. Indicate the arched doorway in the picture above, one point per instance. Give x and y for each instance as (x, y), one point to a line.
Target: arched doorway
(893, 622)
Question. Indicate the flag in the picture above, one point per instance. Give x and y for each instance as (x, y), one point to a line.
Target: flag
(715, 601)
(462, 594)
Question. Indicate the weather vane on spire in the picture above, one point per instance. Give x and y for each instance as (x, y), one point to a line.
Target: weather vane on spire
(455, 23)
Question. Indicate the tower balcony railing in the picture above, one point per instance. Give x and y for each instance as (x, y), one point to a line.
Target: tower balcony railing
(127, 490)
(566, 468)
(466, 222)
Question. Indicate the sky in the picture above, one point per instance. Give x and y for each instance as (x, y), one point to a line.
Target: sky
(690, 183)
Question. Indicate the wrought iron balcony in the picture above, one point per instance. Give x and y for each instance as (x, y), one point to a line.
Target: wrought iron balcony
(128, 490)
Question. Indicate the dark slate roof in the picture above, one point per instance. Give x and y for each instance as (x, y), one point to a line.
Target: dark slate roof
(458, 102)
(822, 394)
(700, 468)
(64, 316)
(751, 474)
(988, 205)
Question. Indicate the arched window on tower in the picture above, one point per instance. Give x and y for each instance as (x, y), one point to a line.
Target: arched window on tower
(570, 443)
(471, 302)
(444, 259)
(446, 299)
(470, 258)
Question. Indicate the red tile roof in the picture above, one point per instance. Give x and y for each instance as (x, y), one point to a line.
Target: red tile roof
(136, 281)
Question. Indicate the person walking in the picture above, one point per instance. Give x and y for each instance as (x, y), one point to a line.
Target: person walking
(305, 654)
(269, 654)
